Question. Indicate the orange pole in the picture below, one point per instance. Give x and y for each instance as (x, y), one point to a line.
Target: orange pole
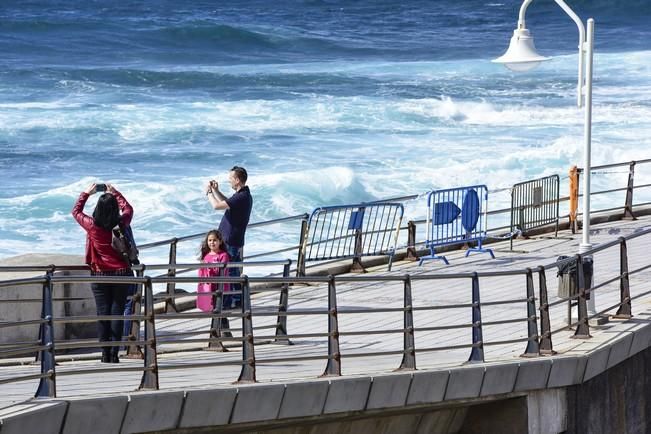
(574, 196)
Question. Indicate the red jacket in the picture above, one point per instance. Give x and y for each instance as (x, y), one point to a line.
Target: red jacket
(99, 253)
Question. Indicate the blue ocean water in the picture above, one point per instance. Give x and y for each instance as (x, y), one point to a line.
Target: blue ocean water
(324, 102)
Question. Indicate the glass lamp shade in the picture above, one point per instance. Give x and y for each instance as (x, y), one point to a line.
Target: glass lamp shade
(521, 55)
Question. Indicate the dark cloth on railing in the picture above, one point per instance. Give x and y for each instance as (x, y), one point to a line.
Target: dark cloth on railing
(100, 255)
(236, 218)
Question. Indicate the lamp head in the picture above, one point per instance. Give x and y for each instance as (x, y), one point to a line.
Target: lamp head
(521, 55)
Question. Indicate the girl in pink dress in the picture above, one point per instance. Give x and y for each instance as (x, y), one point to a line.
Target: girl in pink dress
(213, 250)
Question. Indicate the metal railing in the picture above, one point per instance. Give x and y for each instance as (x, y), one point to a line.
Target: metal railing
(462, 318)
(498, 220)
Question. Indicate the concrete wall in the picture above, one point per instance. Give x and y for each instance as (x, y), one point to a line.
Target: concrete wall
(12, 309)
(616, 401)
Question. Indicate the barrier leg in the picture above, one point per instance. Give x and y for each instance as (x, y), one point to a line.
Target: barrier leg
(170, 301)
(333, 366)
(216, 322)
(624, 311)
(281, 321)
(247, 375)
(409, 346)
(628, 205)
(477, 352)
(411, 242)
(533, 348)
(47, 385)
(480, 249)
(134, 351)
(582, 327)
(149, 379)
(546, 346)
(433, 255)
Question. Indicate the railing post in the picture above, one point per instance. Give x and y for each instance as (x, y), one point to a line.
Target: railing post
(283, 304)
(628, 205)
(247, 374)
(533, 349)
(47, 387)
(149, 379)
(333, 367)
(300, 260)
(546, 346)
(170, 301)
(133, 350)
(624, 311)
(411, 242)
(582, 327)
(216, 321)
(477, 352)
(409, 346)
(357, 266)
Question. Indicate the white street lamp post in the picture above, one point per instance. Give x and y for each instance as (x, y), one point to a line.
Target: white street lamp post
(522, 56)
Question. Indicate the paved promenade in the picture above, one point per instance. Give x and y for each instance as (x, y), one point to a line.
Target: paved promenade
(83, 376)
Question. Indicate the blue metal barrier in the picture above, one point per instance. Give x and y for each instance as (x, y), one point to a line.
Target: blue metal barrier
(351, 231)
(455, 216)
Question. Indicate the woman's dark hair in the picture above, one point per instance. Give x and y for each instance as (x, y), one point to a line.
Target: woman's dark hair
(204, 244)
(107, 212)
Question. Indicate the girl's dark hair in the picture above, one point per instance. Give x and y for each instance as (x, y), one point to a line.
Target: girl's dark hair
(204, 244)
(107, 212)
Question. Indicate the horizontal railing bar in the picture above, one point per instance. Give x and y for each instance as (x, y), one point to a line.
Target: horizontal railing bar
(446, 348)
(200, 365)
(20, 282)
(69, 345)
(24, 378)
(23, 351)
(371, 332)
(199, 341)
(504, 321)
(611, 165)
(439, 328)
(510, 341)
(95, 318)
(203, 234)
(22, 323)
(121, 368)
(372, 354)
(501, 302)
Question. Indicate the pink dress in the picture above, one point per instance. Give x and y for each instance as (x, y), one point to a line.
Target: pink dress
(206, 302)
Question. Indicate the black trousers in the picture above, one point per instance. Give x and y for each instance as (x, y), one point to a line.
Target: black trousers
(110, 299)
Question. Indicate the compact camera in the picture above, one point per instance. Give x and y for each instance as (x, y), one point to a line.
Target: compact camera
(100, 187)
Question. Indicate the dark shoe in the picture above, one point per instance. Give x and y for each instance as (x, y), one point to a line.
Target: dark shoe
(114, 355)
(106, 355)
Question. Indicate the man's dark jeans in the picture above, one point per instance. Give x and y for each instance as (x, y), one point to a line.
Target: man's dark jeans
(128, 309)
(234, 301)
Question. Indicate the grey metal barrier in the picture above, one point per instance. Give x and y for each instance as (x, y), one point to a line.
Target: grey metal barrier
(351, 231)
(534, 204)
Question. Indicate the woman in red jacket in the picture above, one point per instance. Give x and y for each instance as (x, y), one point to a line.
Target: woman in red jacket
(103, 260)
